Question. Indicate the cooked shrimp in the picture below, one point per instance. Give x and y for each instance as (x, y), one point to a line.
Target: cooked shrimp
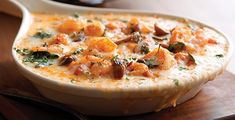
(115, 25)
(102, 44)
(37, 48)
(139, 69)
(101, 68)
(70, 26)
(61, 39)
(181, 34)
(145, 29)
(55, 48)
(90, 58)
(186, 58)
(162, 56)
(94, 29)
(202, 38)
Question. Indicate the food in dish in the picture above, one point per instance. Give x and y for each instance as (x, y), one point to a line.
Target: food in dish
(121, 51)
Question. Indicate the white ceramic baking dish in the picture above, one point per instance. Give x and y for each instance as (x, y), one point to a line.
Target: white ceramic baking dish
(97, 101)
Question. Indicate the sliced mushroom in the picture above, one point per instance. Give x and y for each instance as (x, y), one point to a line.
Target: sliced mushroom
(118, 68)
(159, 31)
(191, 60)
(161, 38)
(77, 37)
(67, 59)
(128, 38)
(135, 28)
(134, 37)
(164, 45)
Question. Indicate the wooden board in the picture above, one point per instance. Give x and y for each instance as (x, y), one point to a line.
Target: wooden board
(217, 98)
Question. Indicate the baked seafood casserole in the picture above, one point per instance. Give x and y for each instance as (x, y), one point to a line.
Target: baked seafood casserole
(123, 53)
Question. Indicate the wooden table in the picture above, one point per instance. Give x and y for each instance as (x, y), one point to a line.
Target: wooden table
(217, 98)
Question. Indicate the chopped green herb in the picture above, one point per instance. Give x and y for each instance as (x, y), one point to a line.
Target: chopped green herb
(176, 47)
(129, 60)
(192, 26)
(53, 56)
(176, 81)
(182, 68)
(151, 63)
(144, 48)
(23, 51)
(133, 59)
(42, 58)
(42, 35)
(88, 20)
(219, 55)
(75, 15)
(73, 81)
(78, 51)
(114, 58)
(127, 78)
(99, 56)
